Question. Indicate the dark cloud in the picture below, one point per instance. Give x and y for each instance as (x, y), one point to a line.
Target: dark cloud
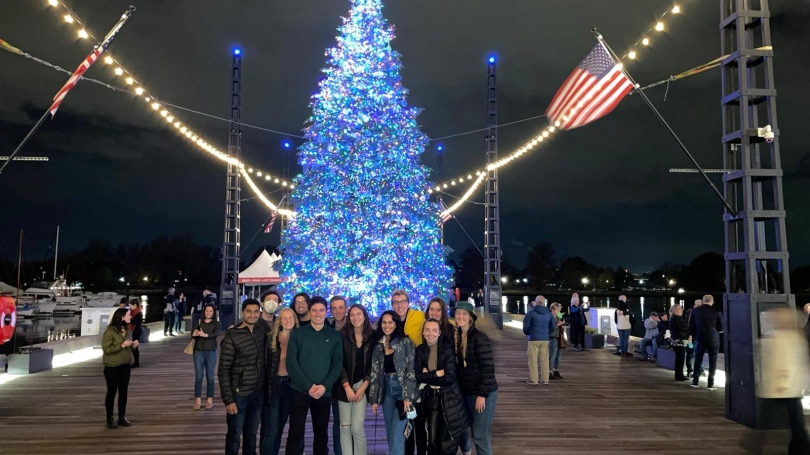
(602, 192)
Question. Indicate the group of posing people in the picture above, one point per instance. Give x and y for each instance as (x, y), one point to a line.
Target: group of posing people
(431, 378)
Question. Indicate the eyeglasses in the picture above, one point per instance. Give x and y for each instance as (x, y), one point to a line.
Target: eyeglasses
(397, 302)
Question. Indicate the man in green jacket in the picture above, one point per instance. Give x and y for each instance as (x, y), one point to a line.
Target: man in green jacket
(314, 361)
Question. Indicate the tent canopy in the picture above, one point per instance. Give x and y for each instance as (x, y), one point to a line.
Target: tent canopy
(8, 289)
(261, 272)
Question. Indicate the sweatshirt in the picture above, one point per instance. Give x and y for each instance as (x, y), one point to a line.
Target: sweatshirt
(314, 357)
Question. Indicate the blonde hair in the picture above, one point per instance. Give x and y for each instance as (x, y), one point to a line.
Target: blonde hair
(673, 308)
(400, 292)
(555, 305)
(277, 327)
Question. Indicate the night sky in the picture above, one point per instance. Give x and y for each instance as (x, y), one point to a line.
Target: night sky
(603, 191)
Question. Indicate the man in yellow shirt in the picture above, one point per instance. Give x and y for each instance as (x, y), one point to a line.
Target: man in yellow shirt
(413, 320)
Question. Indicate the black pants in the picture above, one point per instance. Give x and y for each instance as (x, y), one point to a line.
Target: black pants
(300, 403)
(168, 323)
(117, 381)
(577, 333)
(799, 442)
(680, 359)
(136, 355)
(711, 349)
(438, 438)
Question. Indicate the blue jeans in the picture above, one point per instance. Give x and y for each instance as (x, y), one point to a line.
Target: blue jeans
(712, 350)
(336, 448)
(481, 425)
(275, 416)
(204, 362)
(652, 343)
(244, 423)
(554, 352)
(624, 341)
(393, 426)
(178, 321)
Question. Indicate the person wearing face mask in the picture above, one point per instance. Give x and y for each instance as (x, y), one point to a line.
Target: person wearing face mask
(393, 383)
(442, 408)
(278, 383)
(117, 357)
(270, 301)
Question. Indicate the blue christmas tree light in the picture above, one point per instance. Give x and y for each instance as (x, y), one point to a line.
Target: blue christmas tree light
(364, 225)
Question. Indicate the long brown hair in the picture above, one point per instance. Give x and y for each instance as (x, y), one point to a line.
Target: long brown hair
(348, 329)
(444, 321)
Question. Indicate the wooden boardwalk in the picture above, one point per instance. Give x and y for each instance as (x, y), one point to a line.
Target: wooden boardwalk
(605, 405)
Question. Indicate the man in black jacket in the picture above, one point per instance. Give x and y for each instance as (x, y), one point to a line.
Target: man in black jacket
(242, 378)
(690, 348)
(705, 326)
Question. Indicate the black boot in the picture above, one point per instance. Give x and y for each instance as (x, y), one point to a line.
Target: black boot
(557, 375)
(122, 421)
(111, 424)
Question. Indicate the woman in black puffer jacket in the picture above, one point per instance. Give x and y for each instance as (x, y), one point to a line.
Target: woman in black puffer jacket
(476, 378)
(679, 339)
(442, 407)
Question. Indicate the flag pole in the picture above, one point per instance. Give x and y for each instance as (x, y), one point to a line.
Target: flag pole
(663, 121)
(101, 46)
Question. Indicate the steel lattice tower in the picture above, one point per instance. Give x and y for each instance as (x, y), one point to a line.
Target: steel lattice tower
(229, 290)
(492, 229)
(757, 271)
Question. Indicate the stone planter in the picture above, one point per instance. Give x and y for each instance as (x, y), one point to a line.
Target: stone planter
(29, 362)
(666, 359)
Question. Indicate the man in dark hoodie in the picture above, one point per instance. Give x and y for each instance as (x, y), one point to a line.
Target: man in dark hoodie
(538, 325)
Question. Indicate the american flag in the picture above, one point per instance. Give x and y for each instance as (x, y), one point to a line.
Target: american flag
(446, 216)
(594, 88)
(269, 226)
(74, 79)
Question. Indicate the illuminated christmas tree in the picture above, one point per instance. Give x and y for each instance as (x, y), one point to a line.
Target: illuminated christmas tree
(364, 225)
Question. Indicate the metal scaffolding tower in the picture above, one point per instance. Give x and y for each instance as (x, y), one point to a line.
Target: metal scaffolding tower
(492, 229)
(757, 271)
(229, 287)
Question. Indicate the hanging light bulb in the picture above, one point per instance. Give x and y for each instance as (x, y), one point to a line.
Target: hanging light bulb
(83, 34)
(659, 26)
(632, 55)
(139, 91)
(119, 71)
(68, 18)
(645, 41)
(108, 60)
(676, 9)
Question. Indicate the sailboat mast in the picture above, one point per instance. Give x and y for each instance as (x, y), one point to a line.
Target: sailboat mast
(56, 252)
(19, 266)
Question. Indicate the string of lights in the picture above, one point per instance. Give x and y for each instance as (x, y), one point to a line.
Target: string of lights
(128, 77)
(630, 53)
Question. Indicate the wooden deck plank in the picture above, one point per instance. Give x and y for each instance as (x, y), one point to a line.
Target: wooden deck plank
(605, 405)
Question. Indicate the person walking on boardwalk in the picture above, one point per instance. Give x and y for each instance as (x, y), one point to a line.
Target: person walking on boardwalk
(393, 382)
(277, 403)
(538, 325)
(705, 328)
(136, 328)
(690, 346)
(576, 320)
(169, 309)
(351, 388)
(679, 339)
(476, 377)
(117, 357)
(205, 356)
(555, 341)
(441, 405)
(785, 374)
(242, 374)
(314, 361)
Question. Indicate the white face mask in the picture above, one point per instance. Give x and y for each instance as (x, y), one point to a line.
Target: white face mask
(270, 306)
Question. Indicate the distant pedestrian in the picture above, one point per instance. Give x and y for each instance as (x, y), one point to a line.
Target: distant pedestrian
(625, 320)
(705, 327)
(650, 338)
(169, 310)
(205, 356)
(179, 313)
(538, 325)
(458, 294)
(117, 357)
(679, 339)
(577, 323)
(242, 379)
(556, 341)
(690, 346)
(207, 299)
(136, 327)
(785, 374)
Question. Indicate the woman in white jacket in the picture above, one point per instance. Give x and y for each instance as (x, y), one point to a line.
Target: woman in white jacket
(785, 373)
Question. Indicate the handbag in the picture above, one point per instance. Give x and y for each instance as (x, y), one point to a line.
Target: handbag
(563, 342)
(190, 346)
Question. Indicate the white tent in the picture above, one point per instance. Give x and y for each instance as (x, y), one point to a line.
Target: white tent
(8, 289)
(261, 272)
